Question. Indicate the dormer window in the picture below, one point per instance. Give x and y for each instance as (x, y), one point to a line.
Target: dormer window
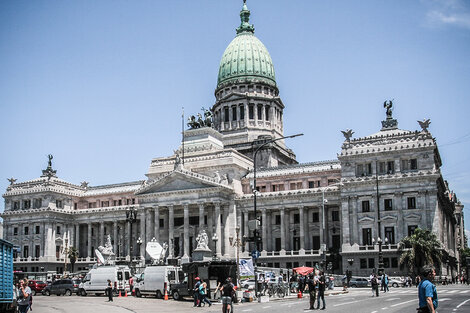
(58, 204)
(26, 204)
(16, 205)
(364, 169)
(409, 165)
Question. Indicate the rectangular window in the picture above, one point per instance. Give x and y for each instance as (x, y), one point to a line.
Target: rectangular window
(104, 204)
(27, 204)
(259, 112)
(411, 229)
(363, 263)
(311, 184)
(58, 204)
(335, 216)
(38, 230)
(292, 186)
(16, 205)
(296, 243)
(371, 263)
(386, 262)
(411, 203)
(278, 244)
(405, 165)
(251, 112)
(367, 236)
(299, 185)
(315, 217)
(15, 231)
(394, 262)
(37, 251)
(316, 242)
(390, 167)
(266, 113)
(234, 113)
(242, 112)
(205, 219)
(296, 218)
(390, 234)
(336, 242)
(75, 206)
(37, 203)
(278, 220)
(226, 117)
(388, 204)
(365, 206)
(114, 202)
(58, 230)
(25, 251)
(26, 230)
(133, 200)
(360, 170)
(120, 202)
(413, 164)
(161, 223)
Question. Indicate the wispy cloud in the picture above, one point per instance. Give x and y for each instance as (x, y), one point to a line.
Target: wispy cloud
(448, 13)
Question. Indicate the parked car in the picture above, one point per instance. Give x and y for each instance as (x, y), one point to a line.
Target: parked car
(76, 285)
(248, 284)
(36, 286)
(59, 287)
(396, 281)
(358, 282)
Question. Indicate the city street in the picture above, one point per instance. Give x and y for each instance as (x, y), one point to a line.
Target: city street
(454, 298)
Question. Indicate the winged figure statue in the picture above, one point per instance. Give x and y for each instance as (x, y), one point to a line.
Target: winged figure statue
(425, 124)
(347, 134)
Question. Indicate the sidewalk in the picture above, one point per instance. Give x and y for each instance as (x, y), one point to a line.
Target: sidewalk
(335, 291)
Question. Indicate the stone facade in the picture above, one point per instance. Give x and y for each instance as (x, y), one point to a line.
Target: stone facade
(332, 212)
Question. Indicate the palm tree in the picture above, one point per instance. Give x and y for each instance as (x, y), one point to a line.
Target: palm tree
(73, 256)
(421, 248)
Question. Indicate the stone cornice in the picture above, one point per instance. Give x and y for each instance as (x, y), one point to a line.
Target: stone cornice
(391, 178)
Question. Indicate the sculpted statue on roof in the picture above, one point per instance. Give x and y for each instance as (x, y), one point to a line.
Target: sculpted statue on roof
(200, 121)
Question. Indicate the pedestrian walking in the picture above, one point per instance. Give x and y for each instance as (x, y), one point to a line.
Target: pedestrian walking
(203, 294)
(196, 291)
(109, 291)
(385, 282)
(227, 292)
(24, 296)
(321, 291)
(375, 285)
(427, 293)
(311, 291)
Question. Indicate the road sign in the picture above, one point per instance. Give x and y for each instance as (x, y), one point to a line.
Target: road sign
(255, 254)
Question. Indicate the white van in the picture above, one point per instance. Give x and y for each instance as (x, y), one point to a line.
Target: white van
(152, 281)
(96, 281)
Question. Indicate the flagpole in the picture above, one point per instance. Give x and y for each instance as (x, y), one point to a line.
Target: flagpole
(182, 135)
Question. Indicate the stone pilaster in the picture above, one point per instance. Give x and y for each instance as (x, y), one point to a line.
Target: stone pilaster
(302, 229)
(218, 229)
(283, 229)
(171, 235)
(157, 224)
(186, 230)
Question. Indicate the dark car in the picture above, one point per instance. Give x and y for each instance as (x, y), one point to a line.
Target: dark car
(76, 283)
(36, 286)
(358, 282)
(59, 287)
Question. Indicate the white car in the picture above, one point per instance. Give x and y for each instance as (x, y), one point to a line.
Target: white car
(248, 284)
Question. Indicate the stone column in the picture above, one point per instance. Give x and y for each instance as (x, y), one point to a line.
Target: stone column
(264, 229)
(283, 229)
(246, 230)
(269, 224)
(302, 228)
(186, 230)
(322, 230)
(218, 229)
(201, 216)
(148, 228)
(77, 238)
(226, 236)
(48, 240)
(157, 224)
(102, 240)
(171, 236)
(142, 232)
(115, 237)
(128, 238)
(90, 251)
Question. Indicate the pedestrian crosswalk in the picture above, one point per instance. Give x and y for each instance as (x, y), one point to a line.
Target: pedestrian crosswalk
(408, 291)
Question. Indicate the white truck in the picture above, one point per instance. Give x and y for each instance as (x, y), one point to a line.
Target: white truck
(155, 279)
(96, 281)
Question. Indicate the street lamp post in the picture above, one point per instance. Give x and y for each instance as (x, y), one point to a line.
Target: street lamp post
(237, 243)
(322, 230)
(66, 251)
(131, 218)
(214, 239)
(255, 231)
(139, 243)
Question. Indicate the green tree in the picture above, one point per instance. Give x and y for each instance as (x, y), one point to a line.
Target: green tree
(419, 249)
(464, 254)
(73, 256)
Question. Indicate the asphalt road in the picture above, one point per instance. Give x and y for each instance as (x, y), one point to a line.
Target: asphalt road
(454, 298)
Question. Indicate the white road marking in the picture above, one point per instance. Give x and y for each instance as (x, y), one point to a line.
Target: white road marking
(458, 306)
(452, 291)
(445, 299)
(391, 299)
(397, 304)
(464, 291)
(385, 308)
(247, 310)
(373, 312)
(346, 303)
(266, 307)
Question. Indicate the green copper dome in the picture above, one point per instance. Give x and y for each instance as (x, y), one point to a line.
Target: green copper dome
(246, 59)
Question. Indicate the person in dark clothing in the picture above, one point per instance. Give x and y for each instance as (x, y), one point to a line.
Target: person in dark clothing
(375, 285)
(321, 290)
(203, 294)
(311, 291)
(196, 291)
(301, 283)
(227, 291)
(109, 290)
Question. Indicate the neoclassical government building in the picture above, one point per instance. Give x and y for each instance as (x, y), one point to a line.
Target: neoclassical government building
(334, 211)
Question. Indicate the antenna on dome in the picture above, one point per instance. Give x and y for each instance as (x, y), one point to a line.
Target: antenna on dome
(182, 135)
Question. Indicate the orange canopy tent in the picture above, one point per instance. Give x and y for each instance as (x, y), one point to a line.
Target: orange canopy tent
(303, 270)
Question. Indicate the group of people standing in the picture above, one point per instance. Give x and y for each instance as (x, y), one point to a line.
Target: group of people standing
(316, 285)
(375, 281)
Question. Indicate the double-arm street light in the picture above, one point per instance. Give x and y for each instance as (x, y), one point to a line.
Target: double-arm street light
(238, 242)
(131, 218)
(255, 231)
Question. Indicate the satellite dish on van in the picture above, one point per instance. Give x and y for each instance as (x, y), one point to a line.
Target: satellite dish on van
(99, 256)
(154, 249)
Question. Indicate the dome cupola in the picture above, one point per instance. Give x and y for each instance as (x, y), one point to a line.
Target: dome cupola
(246, 59)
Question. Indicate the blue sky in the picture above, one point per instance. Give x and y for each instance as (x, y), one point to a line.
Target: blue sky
(100, 84)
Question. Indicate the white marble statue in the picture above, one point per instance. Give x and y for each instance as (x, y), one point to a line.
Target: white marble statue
(202, 241)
